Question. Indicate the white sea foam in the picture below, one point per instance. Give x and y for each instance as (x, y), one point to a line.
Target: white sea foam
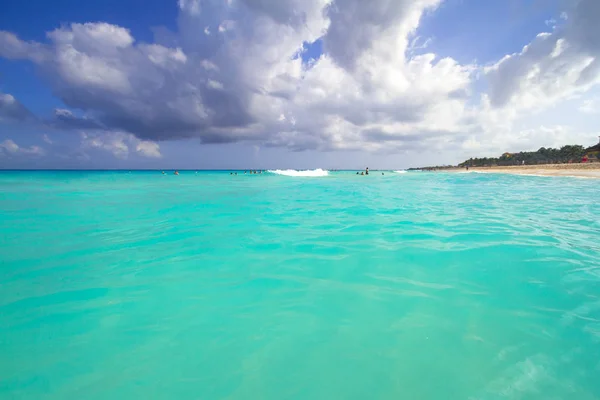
(292, 172)
(400, 172)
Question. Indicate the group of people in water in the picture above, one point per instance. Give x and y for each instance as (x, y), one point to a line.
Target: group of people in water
(252, 171)
(231, 173)
(366, 172)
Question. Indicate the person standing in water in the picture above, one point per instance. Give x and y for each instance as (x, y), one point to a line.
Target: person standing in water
(367, 171)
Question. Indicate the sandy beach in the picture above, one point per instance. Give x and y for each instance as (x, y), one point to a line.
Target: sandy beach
(591, 170)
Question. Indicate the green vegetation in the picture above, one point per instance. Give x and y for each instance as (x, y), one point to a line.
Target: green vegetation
(564, 155)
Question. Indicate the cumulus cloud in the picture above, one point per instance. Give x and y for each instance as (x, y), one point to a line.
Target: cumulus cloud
(552, 67)
(148, 149)
(10, 148)
(119, 144)
(231, 71)
(65, 119)
(12, 109)
(235, 83)
(378, 28)
(14, 48)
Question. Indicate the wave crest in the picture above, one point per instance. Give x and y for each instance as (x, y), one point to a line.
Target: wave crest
(293, 172)
(400, 172)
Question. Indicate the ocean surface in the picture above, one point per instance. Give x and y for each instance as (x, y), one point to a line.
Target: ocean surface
(298, 285)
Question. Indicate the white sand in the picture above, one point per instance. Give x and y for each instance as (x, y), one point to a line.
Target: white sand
(591, 170)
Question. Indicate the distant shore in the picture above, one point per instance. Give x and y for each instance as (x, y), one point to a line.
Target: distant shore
(586, 170)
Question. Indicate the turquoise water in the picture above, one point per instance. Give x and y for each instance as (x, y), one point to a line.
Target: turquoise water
(209, 286)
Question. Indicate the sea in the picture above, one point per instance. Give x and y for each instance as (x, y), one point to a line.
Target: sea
(298, 285)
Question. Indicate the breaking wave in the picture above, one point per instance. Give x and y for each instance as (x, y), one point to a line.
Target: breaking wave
(400, 172)
(293, 172)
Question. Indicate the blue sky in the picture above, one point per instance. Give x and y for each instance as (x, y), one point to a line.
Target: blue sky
(219, 84)
(486, 30)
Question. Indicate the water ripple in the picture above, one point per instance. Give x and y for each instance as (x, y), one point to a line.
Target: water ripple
(412, 285)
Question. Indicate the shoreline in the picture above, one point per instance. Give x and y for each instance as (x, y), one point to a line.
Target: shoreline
(591, 170)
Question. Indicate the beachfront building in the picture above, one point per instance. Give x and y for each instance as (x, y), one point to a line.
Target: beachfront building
(593, 153)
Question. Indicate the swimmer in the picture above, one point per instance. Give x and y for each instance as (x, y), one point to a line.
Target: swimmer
(382, 173)
(362, 173)
(176, 173)
(163, 173)
(357, 173)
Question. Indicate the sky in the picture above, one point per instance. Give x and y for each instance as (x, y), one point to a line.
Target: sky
(267, 84)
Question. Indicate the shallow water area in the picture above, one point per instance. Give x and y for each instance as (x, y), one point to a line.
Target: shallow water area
(298, 285)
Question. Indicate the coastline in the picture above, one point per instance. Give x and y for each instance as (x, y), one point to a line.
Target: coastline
(591, 170)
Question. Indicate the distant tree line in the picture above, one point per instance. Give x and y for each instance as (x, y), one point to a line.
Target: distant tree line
(564, 155)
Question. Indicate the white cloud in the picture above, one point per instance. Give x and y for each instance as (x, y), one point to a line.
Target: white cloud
(554, 66)
(111, 142)
(119, 144)
(10, 148)
(65, 119)
(249, 80)
(375, 88)
(14, 48)
(12, 109)
(214, 84)
(190, 6)
(207, 65)
(47, 139)
(148, 149)
(164, 57)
